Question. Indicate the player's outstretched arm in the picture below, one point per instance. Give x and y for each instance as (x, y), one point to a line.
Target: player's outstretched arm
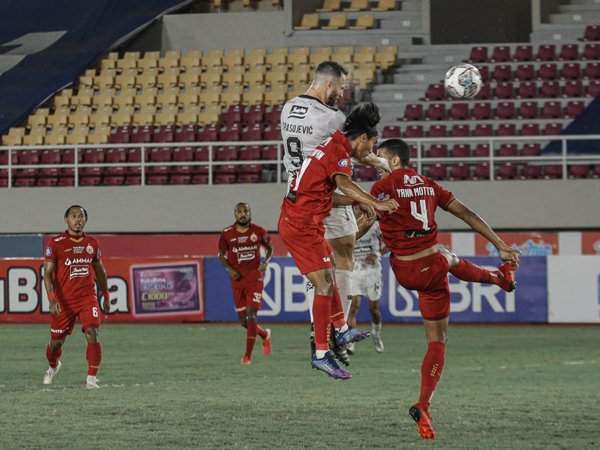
(353, 190)
(103, 284)
(373, 160)
(49, 269)
(471, 218)
(263, 265)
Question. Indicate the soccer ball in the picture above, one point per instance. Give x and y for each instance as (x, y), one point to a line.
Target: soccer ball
(463, 81)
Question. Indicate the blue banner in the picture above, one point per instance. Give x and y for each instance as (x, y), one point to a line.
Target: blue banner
(285, 300)
(46, 45)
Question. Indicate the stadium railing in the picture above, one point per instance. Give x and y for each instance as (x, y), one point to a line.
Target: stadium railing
(563, 158)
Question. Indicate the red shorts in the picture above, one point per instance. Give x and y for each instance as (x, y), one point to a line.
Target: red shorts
(307, 245)
(86, 309)
(247, 296)
(429, 277)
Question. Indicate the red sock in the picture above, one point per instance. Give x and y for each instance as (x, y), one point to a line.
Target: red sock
(93, 355)
(251, 329)
(337, 312)
(431, 371)
(53, 357)
(321, 315)
(467, 271)
(261, 331)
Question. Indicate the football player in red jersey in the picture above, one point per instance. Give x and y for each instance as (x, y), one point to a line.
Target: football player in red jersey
(308, 202)
(71, 261)
(239, 253)
(410, 233)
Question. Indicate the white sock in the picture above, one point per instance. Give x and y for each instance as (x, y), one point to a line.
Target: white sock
(376, 327)
(320, 354)
(310, 296)
(91, 378)
(343, 279)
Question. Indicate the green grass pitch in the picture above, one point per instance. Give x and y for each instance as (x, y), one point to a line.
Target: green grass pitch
(182, 386)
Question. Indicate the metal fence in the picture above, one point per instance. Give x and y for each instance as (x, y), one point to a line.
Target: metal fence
(564, 158)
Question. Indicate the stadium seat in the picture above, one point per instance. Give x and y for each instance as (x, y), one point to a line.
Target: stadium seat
(233, 114)
(163, 133)
(273, 115)
(579, 171)
(336, 22)
(506, 171)
(224, 178)
(592, 33)
(459, 111)
(504, 90)
(553, 171)
(484, 93)
(573, 88)
(358, 5)
(414, 131)
(208, 132)
(528, 110)
(550, 89)
(438, 151)
(366, 173)
(525, 72)
(530, 129)
(479, 54)
(551, 110)
(363, 22)
(523, 53)
(592, 71)
(482, 111)
(161, 154)
(252, 132)
(527, 89)
(141, 134)
(481, 171)
(548, 72)
(201, 154)
(391, 131)
(482, 151)
(183, 154)
(574, 109)
(483, 129)
(385, 5)
(435, 92)
(92, 156)
(505, 110)
(593, 89)
(460, 130)
(507, 129)
(273, 133)
(437, 171)
(507, 150)
(460, 151)
(484, 72)
(186, 133)
(437, 131)
(459, 171)
(436, 111)
(552, 129)
(546, 52)
(569, 52)
(531, 172)
(591, 51)
(531, 150)
(413, 112)
(253, 114)
(501, 54)
(596, 171)
(502, 72)
(330, 5)
(570, 71)
(229, 153)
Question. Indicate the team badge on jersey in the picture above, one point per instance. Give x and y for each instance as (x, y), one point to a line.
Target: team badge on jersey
(89, 249)
(343, 163)
(383, 197)
(253, 237)
(48, 251)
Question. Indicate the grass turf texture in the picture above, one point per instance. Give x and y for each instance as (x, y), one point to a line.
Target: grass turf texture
(182, 386)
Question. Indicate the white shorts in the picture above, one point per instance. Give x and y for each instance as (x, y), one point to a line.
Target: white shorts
(367, 283)
(340, 222)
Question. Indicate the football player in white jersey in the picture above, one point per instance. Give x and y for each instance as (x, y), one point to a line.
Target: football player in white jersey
(367, 280)
(306, 121)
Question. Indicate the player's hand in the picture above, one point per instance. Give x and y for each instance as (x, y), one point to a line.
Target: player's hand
(508, 253)
(262, 267)
(387, 205)
(368, 210)
(54, 305)
(234, 275)
(106, 302)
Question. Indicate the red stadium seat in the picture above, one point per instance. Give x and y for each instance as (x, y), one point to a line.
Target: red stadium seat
(593, 89)
(482, 151)
(437, 171)
(531, 150)
(460, 151)
(391, 131)
(530, 129)
(592, 71)
(459, 111)
(552, 129)
(507, 129)
(231, 132)
(208, 133)
(28, 157)
(479, 54)
(437, 131)
(531, 172)
(157, 180)
(438, 151)
(186, 133)
(92, 155)
(253, 132)
(183, 154)
(3, 161)
(574, 109)
(501, 54)
(484, 93)
(141, 134)
(50, 156)
(224, 179)
(269, 153)
(201, 154)
(252, 153)
(226, 153)
(132, 155)
(46, 181)
(113, 180)
(133, 180)
(413, 112)
(527, 89)
(551, 110)
(273, 114)
(89, 180)
(523, 53)
(483, 129)
(596, 171)
(579, 171)
(115, 171)
(506, 171)
(233, 114)
(436, 111)
(573, 88)
(592, 33)
(414, 131)
(199, 179)
(569, 52)
(481, 171)
(248, 178)
(482, 111)
(591, 51)
(502, 72)
(435, 92)
(504, 90)
(273, 133)
(157, 171)
(505, 110)
(507, 150)
(553, 171)
(460, 171)
(571, 71)
(180, 179)
(548, 72)
(120, 135)
(161, 154)
(528, 110)
(253, 114)
(484, 71)
(525, 72)
(546, 52)
(164, 133)
(366, 173)
(116, 155)
(550, 89)
(460, 131)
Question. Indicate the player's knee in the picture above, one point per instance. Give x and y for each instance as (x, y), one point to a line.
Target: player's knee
(55, 345)
(92, 334)
(242, 318)
(251, 314)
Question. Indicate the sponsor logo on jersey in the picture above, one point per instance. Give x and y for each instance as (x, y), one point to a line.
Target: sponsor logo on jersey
(89, 249)
(77, 250)
(48, 251)
(56, 331)
(245, 256)
(253, 237)
(77, 271)
(242, 239)
(383, 197)
(70, 262)
(298, 112)
(413, 180)
(232, 239)
(343, 163)
(326, 259)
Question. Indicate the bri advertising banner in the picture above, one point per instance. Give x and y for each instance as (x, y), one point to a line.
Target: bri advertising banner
(285, 299)
(141, 290)
(45, 45)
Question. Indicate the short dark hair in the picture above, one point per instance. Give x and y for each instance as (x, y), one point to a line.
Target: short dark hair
(330, 68)
(397, 147)
(76, 206)
(362, 119)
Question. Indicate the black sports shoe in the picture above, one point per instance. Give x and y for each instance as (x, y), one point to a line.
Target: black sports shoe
(339, 351)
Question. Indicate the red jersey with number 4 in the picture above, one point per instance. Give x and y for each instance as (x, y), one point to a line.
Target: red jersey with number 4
(411, 228)
(242, 251)
(311, 190)
(73, 257)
